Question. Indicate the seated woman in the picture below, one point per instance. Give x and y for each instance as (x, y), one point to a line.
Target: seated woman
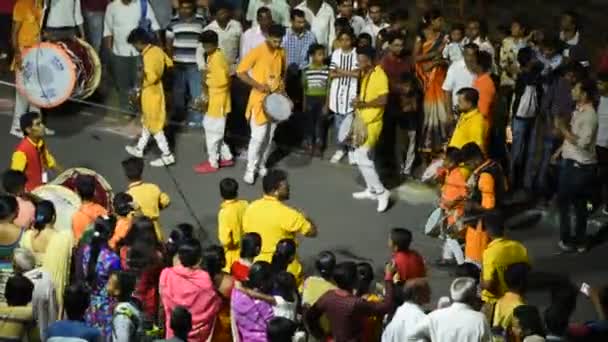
(10, 234)
(16, 319)
(214, 261)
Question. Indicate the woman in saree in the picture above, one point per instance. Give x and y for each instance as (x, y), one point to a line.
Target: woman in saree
(214, 261)
(431, 71)
(52, 248)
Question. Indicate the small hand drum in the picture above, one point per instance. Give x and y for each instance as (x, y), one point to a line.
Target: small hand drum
(278, 107)
(352, 131)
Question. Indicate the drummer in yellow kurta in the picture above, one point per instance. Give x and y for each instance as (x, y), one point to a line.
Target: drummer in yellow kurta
(369, 107)
(154, 115)
(263, 68)
(230, 221)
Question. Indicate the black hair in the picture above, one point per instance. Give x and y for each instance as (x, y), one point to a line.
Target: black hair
(557, 319)
(192, 2)
(368, 51)
(276, 31)
(523, 23)
(483, 26)
(181, 233)
(263, 10)
(141, 255)
(85, 186)
(45, 214)
(229, 188)
(133, 168)
(431, 15)
(365, 36)
(260, 277)
(398, 14)
(139, 35)
(516, 277)
(122, 204)
(529, 320)
(453, 153)
(209, 37)
(296, 12)
(458, 27)
(126, 282)
(27, 121)
(470, 94)
(280, 329)
(189, 253)
(103, 230)
(365, 277)
(76, 301)
(181, 322)
(142, 229)
(574, 16)
(250, 245)
(326, 264)
(494, 223)
(213, 260)
(345, 275)
(589, 87)
(13, 181)
(484, 60)
(471, 46)
(392, 36)
(285, 286)
(284, 254)
(525, 56)
(344, 23)
(273, 179)
(8, 206)
(401, 238)
(221, 5)
(19, 290)
(468, 270)
(314, 48)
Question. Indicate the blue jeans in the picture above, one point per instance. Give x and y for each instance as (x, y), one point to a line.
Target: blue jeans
(186, 87)
(521, 152)
(574, 189)
(94, 28)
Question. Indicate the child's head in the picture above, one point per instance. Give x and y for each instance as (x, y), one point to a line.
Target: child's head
(551, 47)
(181, 322)
(251, 244)
(209, 40)
(121, 285)
(281, 329)
(346, 39)
(189, 253)
(260, 277)
(285, 285)
(85, 187)
(316, 53)
(284, 254)
(76, 301)
(229, 188)
(214, 260)
(400, 240)
(325, 264)
(139, 38)
(453, 158)
(364, 40)
(365, 277)
(181, 233)
(19, 290)
(133, 168)
(123, 204)
(457, 33)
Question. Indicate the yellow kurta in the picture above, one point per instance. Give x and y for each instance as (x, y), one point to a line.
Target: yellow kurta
(471, 127)
(218, 84)
(230, 229)
(373, 85)
(265, 67)
(151, 200)
(153, 110)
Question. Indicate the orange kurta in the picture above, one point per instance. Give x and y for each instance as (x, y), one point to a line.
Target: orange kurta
(477, 238)
(88, 213)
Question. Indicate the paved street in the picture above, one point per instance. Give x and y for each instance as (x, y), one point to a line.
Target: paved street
(323, 191)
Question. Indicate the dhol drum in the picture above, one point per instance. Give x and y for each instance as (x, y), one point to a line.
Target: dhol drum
(352, 131)
(52, 72)
(278, 107)
(66, 202)
(434, 222)
(103, 189)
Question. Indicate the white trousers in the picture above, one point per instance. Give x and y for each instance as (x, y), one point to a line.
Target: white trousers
(406, 146)
(161, 141)
(22, 106)
(452, 250)
(214, 137)
(363, 158)
(260, 144)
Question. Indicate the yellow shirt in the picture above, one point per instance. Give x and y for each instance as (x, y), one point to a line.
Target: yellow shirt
(218, 84)
(497, 257)
(28, 13)
(17, 323)
(150, 199)
(503, 311)
(274, 221)
(19, 160)
(230, 228)
(265, 66)
(155, 62)
(471, 127)
(373, 85)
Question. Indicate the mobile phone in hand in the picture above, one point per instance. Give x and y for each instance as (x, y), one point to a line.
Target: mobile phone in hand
(585, 289)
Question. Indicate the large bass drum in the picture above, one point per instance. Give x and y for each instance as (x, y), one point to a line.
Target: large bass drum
(103, 190)
(52, 72)
(66, 203)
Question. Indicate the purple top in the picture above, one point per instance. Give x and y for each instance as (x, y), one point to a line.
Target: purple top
(251, 316)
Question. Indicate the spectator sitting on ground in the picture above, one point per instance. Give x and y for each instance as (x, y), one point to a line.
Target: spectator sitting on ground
(181, 324)
(16, 319)
(527, 326)
(76, 302)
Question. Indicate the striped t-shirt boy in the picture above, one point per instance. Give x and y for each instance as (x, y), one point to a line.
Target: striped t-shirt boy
(315, 79)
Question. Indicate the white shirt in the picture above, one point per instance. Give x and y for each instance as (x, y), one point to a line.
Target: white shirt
(229, 39)
(373, 29)
(343, 90)
(458, 322)
(453, 52)
(458, 77)
(321, 23)
(251, 38)
(484, 45)
(602, 127)
(357, 23)
(405, 319)
(120, 20)
(64, 13)
(284, 308)
(279, 9)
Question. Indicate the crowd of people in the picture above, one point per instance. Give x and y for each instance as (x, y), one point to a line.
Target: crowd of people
(485, 117)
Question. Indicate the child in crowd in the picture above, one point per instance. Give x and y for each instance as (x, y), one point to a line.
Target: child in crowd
(147, 197)
(124, 211)
(508, 53)
(453, 179)
(127, 319)
(284, 257)
(364, 40)
(285, 299)
(550, 55)
(251, 244)
(89, 210)
(315, 80)
(77, 300)
(408, 263)
(410, 99)
(340, 25)
(281, 329)
(17, 321)
(372, 327)
(453, 51)
(230, 220)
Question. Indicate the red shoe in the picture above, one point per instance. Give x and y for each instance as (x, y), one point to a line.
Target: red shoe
(205, 167)
(226, 163)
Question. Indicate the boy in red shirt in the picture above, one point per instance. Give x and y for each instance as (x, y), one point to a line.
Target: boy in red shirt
(408, 263)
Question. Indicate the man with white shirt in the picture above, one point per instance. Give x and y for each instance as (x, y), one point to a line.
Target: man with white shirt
(346, 10)
(64, 19)
(374, 21)
(320, 16)
(256, 34)
(477, 33)
(122, 17)
(278, 8)
(416, 294)
(460, 75)
(228, 31)
(459, 321)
